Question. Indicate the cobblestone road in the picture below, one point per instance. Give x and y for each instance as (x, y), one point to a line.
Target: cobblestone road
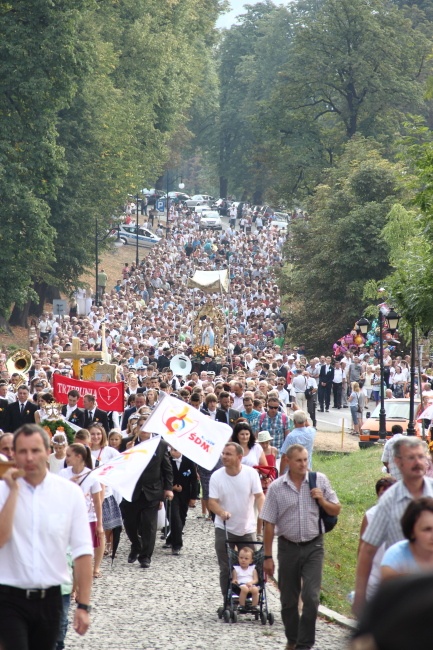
(172, 605)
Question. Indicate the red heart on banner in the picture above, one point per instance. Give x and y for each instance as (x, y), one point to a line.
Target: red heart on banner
(109, 395)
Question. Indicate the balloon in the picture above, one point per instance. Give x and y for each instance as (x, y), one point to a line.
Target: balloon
(358, 339)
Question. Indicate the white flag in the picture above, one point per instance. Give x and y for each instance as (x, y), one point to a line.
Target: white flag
(192, 433)
(122, 472)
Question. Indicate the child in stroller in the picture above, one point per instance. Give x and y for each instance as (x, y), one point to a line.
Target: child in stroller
(245, 579)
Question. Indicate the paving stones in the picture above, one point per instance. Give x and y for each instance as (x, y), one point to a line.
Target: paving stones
(173, 604)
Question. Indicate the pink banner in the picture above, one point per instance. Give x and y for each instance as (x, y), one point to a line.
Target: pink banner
(109, 396)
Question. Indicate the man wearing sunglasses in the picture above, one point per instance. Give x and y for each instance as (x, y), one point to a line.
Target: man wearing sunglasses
(274, 421)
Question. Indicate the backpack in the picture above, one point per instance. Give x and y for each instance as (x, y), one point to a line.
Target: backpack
(329, 521)
(284, 419)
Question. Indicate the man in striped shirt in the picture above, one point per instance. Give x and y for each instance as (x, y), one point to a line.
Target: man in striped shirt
(385, 527)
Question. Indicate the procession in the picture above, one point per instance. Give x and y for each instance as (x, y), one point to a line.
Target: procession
(216, 325)
(173, 402)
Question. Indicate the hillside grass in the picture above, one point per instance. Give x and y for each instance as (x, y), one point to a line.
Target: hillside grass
(353, 477)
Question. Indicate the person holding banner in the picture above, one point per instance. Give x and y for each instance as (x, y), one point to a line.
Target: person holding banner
(102, 453)
(140, 515)
(79, 471)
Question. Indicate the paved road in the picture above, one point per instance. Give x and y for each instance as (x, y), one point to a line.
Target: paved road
(172, 605)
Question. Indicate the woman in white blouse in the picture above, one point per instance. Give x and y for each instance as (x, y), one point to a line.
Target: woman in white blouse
(253, 452)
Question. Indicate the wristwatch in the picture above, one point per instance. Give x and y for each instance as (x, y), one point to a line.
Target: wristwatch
(87, 608)
(267, 557)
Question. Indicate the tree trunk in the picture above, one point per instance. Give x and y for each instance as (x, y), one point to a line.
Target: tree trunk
(223, 187)
(4, 326)
(258, 197)
(20, 315)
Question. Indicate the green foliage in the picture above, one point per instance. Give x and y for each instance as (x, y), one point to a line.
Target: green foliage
(332, 254)
(92, 96)
(408, 235)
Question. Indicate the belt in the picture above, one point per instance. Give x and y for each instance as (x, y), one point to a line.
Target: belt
(30, 594)
(310, 541)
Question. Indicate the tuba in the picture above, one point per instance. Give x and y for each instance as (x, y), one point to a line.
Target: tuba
(20, 362)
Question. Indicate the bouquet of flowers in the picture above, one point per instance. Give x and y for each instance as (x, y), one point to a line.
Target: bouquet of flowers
(58, 426)
(200, 351)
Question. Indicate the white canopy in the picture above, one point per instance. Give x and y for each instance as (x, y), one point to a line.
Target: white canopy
(210, 281)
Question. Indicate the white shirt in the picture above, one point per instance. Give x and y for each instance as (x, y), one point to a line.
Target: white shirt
(104, 455)
(48, 518)
(236, 494)
(88, 485)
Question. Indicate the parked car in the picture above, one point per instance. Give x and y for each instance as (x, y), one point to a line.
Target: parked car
(210, 219)
(199, 199)
(128, 235)
(397, 412)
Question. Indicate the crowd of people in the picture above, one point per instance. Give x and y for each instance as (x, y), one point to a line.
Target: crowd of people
(266, 390)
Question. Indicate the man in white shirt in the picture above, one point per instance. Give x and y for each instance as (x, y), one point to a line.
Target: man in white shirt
(233, 491)
(337, 385)
(41, 515)
(299, 386)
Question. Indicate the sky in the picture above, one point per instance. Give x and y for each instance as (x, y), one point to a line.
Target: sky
(237, 7)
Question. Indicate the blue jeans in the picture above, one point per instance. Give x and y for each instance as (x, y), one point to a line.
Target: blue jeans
(66, 599)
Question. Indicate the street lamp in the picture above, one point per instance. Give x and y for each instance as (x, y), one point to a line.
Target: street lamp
(99, 240)
(411, 425)
(136, 234)
(363, 325)
(392, 317)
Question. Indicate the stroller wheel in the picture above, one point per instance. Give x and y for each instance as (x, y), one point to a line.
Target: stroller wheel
(271, 619)
(234, 617)
(226, 616)
(263, 618)
(220, 611)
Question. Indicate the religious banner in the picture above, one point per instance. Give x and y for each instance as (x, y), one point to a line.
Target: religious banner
(109, 397)
(192, 433)
(122, 472)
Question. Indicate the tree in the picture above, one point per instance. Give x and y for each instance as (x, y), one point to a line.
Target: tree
(354, 67)
(332, 254)
(39, 68)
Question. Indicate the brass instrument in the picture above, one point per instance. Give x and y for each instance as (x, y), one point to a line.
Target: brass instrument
(19, 362)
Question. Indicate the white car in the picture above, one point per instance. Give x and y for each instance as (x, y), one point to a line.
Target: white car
(199, 199)
(211, 219)
(201, 209)
(128, 235)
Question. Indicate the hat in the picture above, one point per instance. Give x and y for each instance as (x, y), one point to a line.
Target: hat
(264, 436)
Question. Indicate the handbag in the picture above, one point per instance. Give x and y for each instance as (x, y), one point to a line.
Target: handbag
(326, 522)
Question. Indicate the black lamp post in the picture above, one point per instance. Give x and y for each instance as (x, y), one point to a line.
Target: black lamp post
(411, 425)
(392, 317)
(97, 262)
(136, 234)
(363, 324)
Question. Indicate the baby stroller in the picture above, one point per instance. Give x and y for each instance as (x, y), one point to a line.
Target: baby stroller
(230, 611)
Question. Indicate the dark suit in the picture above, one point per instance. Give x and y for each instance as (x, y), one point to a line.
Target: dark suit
(76, 417)
(14, 417)
(186, 477)
(140, 516)
(126, 415)
(326, 378)
(221, 416)
(98, 416)
(3, 414)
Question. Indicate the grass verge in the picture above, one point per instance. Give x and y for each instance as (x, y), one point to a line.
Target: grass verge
(353, 477)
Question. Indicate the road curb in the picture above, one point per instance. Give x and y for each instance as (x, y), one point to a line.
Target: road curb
(330, 615)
